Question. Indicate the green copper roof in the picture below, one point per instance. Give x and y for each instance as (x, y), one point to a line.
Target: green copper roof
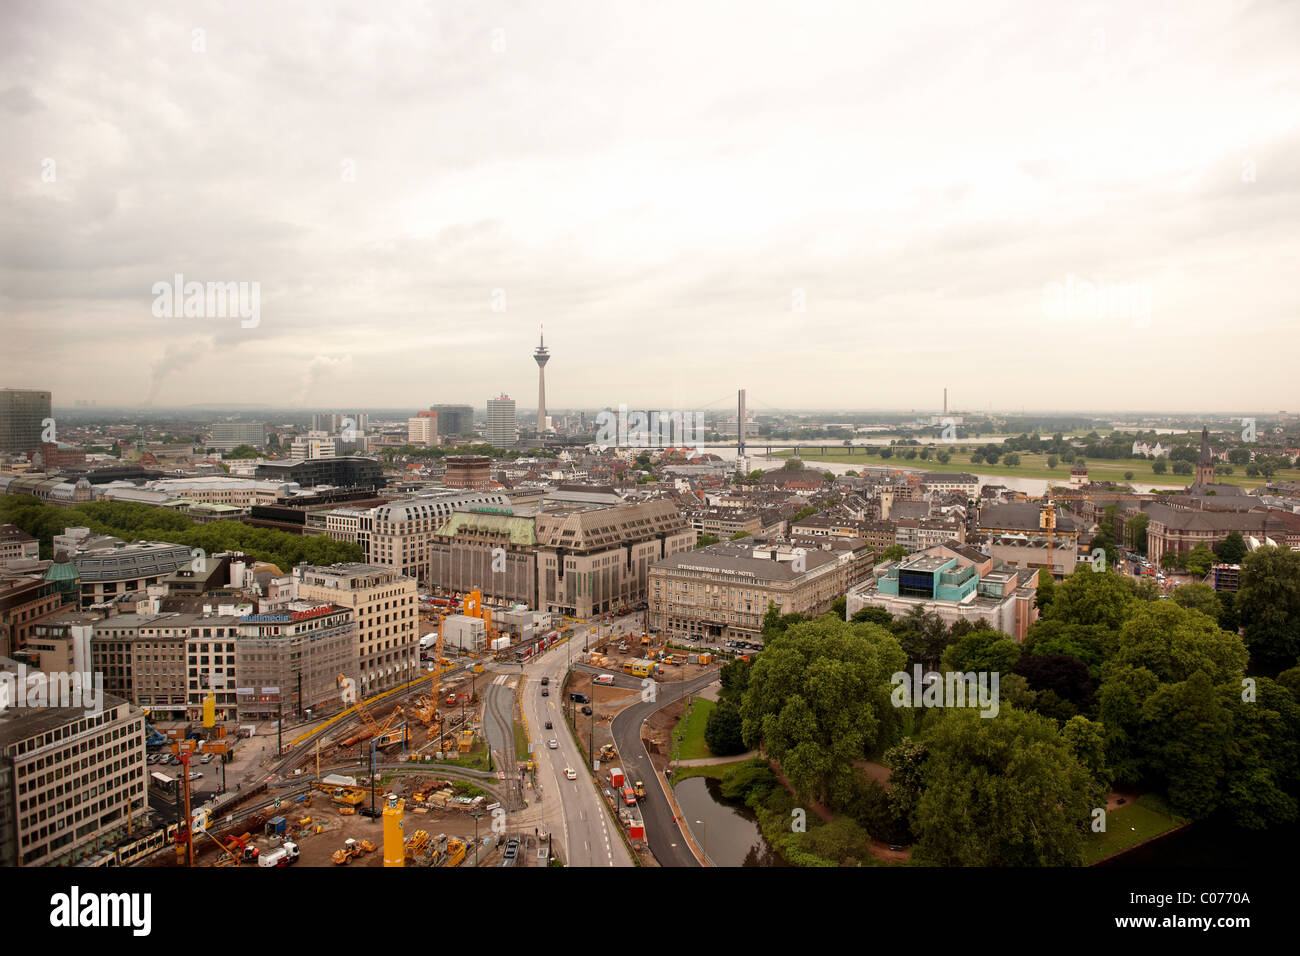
(522, 531)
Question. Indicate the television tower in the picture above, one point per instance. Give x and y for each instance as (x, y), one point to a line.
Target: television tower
(541, 357)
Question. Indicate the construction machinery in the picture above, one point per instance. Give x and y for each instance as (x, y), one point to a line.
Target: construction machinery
(348, 796)
(639, 790)
(370, 727)
(455, 852)
(417, 843)
(235, 851)
(607, 753)
(351, 848)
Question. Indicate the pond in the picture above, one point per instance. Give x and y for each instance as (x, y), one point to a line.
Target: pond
(728, 832)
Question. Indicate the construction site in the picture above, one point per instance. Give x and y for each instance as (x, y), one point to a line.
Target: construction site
(327, 811)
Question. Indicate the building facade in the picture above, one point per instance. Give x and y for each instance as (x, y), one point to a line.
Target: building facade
(592, 560)
(467, 471)
(454, 421)
(312, 446)
(401, 533)
(491, 549)
(347, 472)
(107, 573)
(22, 416)
(227, 436)
(385, 609)
(957, 583)
(74, 779)
(303, 646)
(501, 422)
(422, 430)
(17, 545)
(723, 591)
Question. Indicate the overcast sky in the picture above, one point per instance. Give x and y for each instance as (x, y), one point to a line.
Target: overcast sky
(664, 186)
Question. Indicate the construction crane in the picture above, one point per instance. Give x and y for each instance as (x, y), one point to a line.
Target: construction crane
(184, 749)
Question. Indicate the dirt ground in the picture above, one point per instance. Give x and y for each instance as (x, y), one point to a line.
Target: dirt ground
(657, 733)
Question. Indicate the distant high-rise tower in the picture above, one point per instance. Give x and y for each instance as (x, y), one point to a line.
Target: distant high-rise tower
(23, 413)
(541, 357)
(500, 430)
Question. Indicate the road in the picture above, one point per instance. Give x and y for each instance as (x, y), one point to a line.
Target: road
(662, 832)
(574, 809)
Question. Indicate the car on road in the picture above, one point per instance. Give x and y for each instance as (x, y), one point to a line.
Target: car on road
(570, 773)
(195, 775)
(605, 679)
(629, 796)
(206, 758)
(545, 681)
(546, 692)
(548, 725)
(553, 743)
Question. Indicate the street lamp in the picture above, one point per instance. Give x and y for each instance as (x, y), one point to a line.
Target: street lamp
(706, 839)
(476, 814)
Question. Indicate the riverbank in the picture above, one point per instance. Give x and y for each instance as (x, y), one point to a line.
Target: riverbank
(1032, 467)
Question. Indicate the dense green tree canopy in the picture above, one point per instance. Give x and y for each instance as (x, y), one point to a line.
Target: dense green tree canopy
(1002, 791)
(1268, 605)
(818, 696)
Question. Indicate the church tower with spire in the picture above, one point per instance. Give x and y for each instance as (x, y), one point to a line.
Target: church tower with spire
(1205, 464)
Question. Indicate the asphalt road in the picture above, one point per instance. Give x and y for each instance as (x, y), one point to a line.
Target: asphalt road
(573, 809)
(662, 832)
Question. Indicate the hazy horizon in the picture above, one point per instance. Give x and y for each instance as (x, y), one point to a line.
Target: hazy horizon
(825, 205)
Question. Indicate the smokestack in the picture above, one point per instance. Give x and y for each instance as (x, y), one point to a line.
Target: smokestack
(945, 402)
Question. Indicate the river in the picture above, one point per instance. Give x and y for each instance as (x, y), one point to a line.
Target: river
(1034, 487)
(728, 833)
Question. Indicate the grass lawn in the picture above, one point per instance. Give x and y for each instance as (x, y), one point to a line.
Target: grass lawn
(1126, 827)
(477, 759)
(718, 770)
(521, 741)
(691, 729)
(1035, 466)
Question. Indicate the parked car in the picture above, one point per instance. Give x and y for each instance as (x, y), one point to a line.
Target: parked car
(586, 711)
(206, 758)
